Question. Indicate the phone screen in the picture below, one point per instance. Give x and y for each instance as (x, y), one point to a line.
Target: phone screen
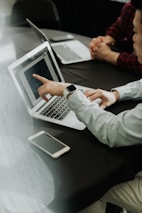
(48, 143)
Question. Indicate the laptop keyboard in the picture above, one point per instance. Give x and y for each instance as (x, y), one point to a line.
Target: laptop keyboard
(58, 109)
(65, 52)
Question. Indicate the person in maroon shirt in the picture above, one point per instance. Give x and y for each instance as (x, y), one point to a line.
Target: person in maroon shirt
(116, 47)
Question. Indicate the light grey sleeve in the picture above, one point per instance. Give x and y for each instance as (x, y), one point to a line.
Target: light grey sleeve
(123, 129)
(131, 91)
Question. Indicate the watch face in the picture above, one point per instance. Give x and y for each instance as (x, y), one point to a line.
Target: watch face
(71, 88)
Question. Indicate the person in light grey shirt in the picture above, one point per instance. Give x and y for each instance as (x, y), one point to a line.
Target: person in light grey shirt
(123, 129)
(113, 130)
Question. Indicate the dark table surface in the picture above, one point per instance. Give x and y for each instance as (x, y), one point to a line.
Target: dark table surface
(29, 179)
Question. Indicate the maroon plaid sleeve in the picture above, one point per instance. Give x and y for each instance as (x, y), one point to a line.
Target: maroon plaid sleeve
(123, 27)
(129, 62)
(121, 30)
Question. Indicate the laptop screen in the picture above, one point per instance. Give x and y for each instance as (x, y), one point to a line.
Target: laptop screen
(41, 69)
(41, 61)
(41, 66)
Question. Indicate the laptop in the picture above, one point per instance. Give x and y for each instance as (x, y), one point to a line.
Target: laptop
(41, 60)
(68, 52)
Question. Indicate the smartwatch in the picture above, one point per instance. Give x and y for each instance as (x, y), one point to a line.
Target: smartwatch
(69, 90)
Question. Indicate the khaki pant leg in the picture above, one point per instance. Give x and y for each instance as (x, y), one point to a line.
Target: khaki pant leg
(127, 195)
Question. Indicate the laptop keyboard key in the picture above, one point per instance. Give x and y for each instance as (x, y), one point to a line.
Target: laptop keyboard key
(58, 109)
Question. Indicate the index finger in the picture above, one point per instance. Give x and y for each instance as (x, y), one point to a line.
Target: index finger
(40, 78)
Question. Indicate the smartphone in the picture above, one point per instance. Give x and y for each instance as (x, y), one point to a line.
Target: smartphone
(62, 38)
(49, 144)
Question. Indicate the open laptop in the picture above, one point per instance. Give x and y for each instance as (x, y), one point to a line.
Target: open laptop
(71, 51)
(41, 60)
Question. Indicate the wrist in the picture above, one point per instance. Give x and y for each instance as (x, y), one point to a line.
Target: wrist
(70, 89)
(116, 94)
(112, 57)
(110, 40)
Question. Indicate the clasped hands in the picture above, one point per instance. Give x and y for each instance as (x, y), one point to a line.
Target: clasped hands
(100, 48)
(57, 89)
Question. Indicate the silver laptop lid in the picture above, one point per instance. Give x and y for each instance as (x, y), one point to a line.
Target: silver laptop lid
(41, 61)
(41, 35)
(66, 52)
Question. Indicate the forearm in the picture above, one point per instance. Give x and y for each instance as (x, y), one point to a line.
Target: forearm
(112, 130)
(129, 62)
(132, 91)
(112, 57)
(114, 32)
(123, 27)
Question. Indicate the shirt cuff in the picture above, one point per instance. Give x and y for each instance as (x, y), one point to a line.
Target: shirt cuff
(123, 93)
